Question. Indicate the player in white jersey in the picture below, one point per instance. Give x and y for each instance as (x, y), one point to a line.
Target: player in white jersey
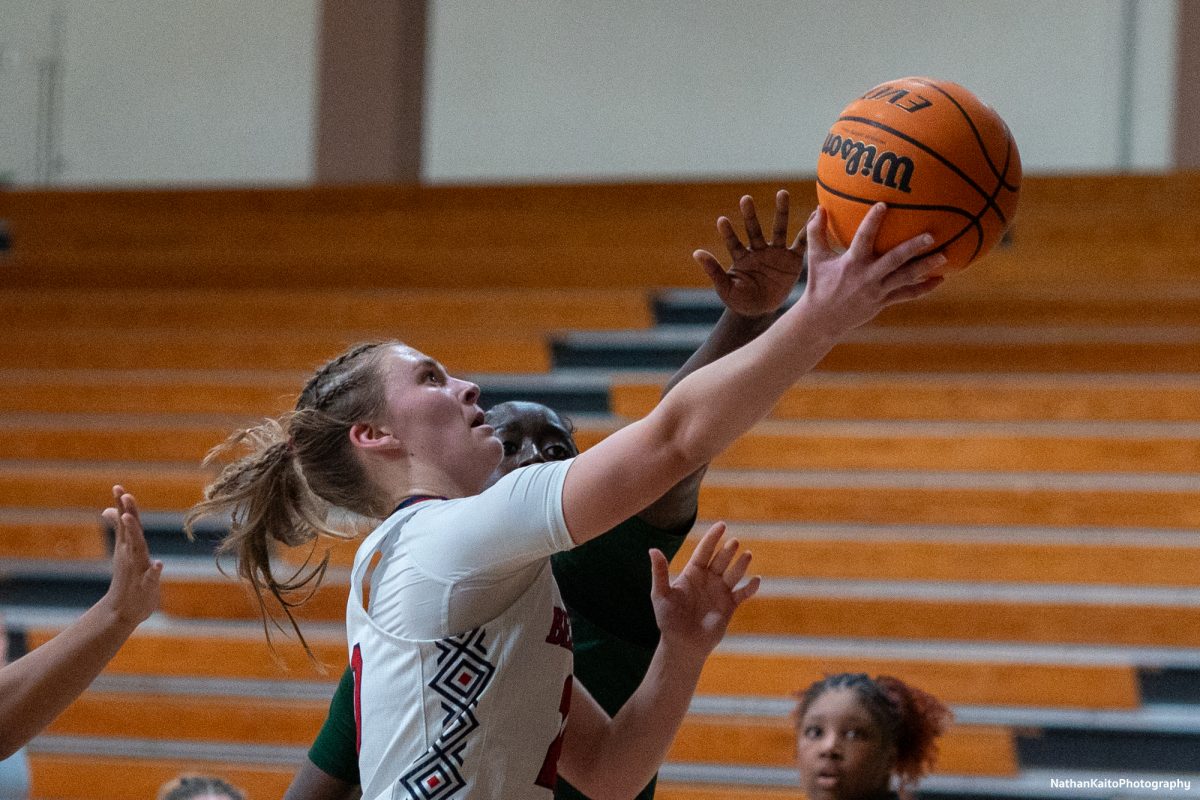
(383, 424)
(437, 702)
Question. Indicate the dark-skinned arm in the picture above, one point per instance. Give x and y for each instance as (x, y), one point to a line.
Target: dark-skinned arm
(757, 284)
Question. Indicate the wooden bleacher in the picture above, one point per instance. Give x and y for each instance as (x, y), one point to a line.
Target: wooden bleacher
(991, 492)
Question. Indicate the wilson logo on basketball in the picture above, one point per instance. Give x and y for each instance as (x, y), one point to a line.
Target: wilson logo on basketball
(886, 168)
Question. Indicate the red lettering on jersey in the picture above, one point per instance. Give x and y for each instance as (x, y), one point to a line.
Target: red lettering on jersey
(548, 774)
(560, 630)
(356, 664)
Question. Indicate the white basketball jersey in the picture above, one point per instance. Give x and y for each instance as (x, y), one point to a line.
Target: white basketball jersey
(477, 715)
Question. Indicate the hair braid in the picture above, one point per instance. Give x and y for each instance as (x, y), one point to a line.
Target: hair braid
(297, 468)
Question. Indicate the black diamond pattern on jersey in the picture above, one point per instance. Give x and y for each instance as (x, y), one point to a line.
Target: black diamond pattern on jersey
(464, 672)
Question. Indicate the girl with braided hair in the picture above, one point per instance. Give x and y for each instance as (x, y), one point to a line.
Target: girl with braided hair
(457, 635)
(855, 733)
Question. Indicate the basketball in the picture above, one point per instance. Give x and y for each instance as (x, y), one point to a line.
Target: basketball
(943, 161)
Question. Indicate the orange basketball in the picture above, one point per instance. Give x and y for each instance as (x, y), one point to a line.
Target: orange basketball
(943, 161)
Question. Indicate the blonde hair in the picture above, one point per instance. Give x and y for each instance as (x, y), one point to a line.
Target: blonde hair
(298, 467)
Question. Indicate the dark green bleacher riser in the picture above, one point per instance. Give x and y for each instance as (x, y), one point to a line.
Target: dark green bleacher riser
(564, 401)
(39, 590)
(1167, 753)
(1174, 685)
(17, 643)
(648, 355)
(165, 536)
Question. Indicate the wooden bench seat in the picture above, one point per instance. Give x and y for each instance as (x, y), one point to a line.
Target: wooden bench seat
(777, 446)
(898, 558)
(955, 681)
(222, 653)
(414, 236)
(957, 554)
(107, 391)
(966, 749)
(88, 485)
(381, 313)
(395, 236)
(900, 498)
(832, 613)
(968, 300)
(1043, 622)
(1141, 263)
(981, 398)
(197, 718)
(47, 535)
(51, 534)
(134, 439)
(917, 499)
(184, 349)
(1046, 353)
(220, 597)
(242, 653)
(849, 445)
(57, 776)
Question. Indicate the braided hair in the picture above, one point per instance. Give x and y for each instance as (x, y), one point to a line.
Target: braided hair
(192, 787)
(911, 719)
(299, 467)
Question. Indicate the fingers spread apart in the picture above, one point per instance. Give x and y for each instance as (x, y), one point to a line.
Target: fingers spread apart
(754, 232)
(779, 228)
(725, 561)
(732, 243)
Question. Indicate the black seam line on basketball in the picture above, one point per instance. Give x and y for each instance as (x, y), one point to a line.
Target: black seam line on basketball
(988, 203)
(949, 164)
(999, 185)
(978, 139)
(1008, 152)
(973, 222)
(972, 219)
(962, 212)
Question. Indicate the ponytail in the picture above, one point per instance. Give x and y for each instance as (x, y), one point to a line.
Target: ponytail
(922, 719)
(298, 468)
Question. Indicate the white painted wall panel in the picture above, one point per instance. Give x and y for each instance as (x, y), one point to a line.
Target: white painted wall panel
(189, 91)
(532, 90)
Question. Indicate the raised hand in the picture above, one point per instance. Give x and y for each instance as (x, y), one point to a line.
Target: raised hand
(849, 289)
(133, 593)
(694, 609)
(763, 274)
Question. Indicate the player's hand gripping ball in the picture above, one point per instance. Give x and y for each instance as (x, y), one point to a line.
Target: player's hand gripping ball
(943, 161)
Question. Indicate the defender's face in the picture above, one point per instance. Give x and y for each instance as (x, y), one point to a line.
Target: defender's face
(530, 433)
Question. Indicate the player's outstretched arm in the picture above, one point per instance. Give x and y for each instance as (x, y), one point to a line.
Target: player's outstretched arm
(716, 404)
(617, 757)
(37, 688)
(313, 783)
(760, 278)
